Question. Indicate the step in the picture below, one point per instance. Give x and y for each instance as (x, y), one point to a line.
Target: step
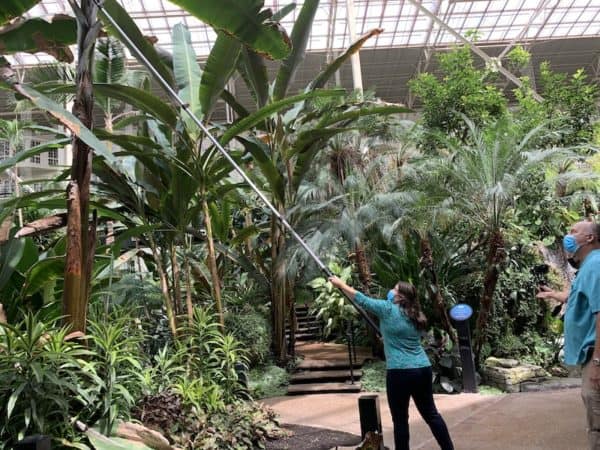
(306, 336)
(314, 329)
(326, 364)
(322, 388)
(322, 375)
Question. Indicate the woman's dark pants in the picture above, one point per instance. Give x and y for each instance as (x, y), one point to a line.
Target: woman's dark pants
(402, 384)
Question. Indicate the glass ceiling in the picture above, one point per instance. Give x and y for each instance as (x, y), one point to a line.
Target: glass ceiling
(497, 21)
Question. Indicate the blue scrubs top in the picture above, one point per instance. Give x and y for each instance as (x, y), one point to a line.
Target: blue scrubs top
(582, 306)
(401, 339)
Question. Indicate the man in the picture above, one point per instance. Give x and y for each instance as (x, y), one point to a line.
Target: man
(582, 323)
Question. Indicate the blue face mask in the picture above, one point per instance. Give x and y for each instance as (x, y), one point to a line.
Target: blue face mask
(391, 295)
(570, 244)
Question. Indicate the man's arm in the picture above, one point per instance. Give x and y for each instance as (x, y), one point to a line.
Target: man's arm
(546, 293)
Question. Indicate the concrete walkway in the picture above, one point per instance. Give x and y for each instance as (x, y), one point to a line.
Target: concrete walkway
(528, 421)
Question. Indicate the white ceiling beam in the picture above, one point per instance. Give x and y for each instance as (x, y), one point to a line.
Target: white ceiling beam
(474, 48)
(524, 30)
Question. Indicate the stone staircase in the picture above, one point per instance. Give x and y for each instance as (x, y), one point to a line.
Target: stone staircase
(325, 367)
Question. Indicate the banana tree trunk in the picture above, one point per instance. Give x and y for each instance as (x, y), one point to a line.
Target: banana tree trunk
(72, 306)
(433, 288)
(75, 298)
(495, 257)
(212, 264)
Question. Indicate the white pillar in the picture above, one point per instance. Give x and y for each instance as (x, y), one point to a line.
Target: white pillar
(355, 58)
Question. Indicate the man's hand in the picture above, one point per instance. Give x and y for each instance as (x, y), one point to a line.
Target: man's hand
(546, 293)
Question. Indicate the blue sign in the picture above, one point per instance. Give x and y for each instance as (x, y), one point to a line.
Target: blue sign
(461, 312)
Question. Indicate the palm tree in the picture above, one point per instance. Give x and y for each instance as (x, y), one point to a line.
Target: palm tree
(476, 182)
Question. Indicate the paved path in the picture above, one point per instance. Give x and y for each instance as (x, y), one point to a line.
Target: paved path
(528, 421)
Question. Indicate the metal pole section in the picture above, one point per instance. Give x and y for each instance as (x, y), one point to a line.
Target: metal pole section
(355, 58)
(473, 47)
(228, 157)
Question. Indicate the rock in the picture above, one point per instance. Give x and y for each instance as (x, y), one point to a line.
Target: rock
(501, 362)
(510, 379)
(140, 433)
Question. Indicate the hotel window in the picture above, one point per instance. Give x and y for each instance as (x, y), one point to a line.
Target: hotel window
(53, 157)
(36, 159)
(4, 150)
(6, 188)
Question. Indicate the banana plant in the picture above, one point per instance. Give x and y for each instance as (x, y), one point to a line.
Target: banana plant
(253, 29)
(285, 140)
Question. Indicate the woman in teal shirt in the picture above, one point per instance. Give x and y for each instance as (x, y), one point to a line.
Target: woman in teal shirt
(408, 369)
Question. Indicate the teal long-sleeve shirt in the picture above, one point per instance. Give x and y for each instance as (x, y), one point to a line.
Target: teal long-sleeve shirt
(401, 339)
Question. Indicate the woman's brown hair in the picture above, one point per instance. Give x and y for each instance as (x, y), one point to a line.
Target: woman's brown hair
(409, 301)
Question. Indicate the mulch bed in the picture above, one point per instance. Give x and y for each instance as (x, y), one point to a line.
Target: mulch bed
(312, 438)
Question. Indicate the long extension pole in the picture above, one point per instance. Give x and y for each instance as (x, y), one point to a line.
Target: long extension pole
(133, 47)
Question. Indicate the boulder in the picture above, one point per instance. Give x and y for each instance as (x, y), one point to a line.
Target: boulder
(139, 433)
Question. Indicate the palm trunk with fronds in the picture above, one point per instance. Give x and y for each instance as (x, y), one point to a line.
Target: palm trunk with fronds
(363, 266)
(495, 257)
(433, 288)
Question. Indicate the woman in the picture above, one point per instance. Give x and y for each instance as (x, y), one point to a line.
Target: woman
(408, 368)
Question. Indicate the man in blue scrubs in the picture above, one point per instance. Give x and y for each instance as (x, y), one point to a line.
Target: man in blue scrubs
(582, 323)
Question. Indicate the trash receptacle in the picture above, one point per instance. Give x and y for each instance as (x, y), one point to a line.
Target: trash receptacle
(460, 315)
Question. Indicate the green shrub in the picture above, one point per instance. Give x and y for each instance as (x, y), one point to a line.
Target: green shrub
(44, 380)
(252, 329)
(239, 426)
(115, 344)
(373, 378)
(269, 381)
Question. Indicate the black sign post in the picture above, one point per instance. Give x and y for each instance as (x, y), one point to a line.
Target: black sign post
(460, 315)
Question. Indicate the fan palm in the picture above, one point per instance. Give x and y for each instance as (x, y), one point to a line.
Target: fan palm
(476, 183)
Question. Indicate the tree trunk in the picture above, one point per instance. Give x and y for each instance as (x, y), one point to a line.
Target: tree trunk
(72, 305)
(188, 290)
(164, 287)
(433, 288)
(176, 283)
(495, 257)
(364, 269)
(278, 291)
(81, 169)
(212, 264)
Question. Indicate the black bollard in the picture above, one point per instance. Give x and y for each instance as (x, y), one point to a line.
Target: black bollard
(37, 442)
(370, 418)
(460, 315)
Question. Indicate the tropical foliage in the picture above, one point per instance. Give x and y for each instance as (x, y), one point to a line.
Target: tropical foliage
(173, 278)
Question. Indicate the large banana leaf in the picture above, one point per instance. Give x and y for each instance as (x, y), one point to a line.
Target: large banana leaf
(220, 64)
(65, 118)
(11, 9)
(320, 80)
(187, 71)
(306, 147)
(365, 111)
(128, 26)
(260, 153)
(248, 122)
(254, 72)
(138, 98)
(38, 35)
(28, 153)
(300, 34)
(244, 20)
(234, 104)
